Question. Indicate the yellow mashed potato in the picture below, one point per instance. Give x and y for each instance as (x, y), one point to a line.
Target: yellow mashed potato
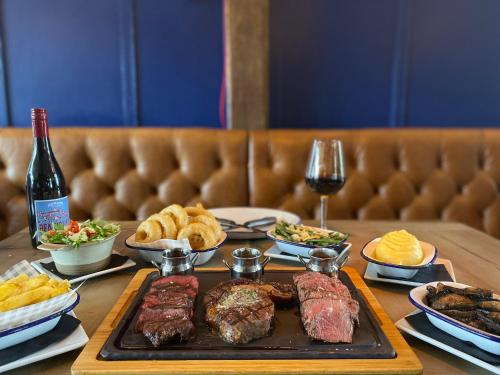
(399, 247)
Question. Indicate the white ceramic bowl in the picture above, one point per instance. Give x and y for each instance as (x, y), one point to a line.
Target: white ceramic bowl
(25, 332)
(297, 248)
(397, 270)
(150, 254)
(484, 340)
(89, 257)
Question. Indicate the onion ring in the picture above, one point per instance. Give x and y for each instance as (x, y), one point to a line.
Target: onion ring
(210, 221)
(178, 213)
(168, 227)
(198, 210)
(200, 236)
(148, 231)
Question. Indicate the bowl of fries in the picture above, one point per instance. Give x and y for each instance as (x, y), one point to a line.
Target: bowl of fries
(31, 306)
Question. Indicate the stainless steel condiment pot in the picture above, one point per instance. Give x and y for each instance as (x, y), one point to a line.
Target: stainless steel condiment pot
(247, 264)
(176, 261)
(325, 260)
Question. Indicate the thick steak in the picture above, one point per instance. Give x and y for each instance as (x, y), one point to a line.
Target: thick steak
(328, 311)
(240, 311)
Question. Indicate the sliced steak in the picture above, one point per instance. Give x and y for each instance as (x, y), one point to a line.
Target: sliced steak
(179, 301)
(164, 331)
(327, 319)
(160, 313)
(239, 312)
(186, 281)
(328, 311)
(167, 309)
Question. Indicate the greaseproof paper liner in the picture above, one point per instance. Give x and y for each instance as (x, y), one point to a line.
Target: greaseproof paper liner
(13, 318)
(162, 244)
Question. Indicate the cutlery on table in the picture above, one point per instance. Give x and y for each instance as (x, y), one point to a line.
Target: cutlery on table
(250, 224)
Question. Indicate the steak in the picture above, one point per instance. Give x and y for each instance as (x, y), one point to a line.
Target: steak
(163, 331)
(239, 311)
(161, 313)
(327, 309)
(167, 309)
(242, 310)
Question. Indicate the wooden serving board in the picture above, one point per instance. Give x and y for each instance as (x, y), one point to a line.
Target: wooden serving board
(88, 362)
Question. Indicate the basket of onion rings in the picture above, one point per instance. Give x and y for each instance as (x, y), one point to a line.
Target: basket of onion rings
(193, 227)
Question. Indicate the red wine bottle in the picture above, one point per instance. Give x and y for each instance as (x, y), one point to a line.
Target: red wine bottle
(45, 187)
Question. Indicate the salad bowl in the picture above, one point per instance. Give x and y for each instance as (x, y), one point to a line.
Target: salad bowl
(298, 239)
(82, 258)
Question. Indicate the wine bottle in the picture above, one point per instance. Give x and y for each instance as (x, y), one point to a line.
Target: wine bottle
(45, 187)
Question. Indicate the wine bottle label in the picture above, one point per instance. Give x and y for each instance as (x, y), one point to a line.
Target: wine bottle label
(51, 211)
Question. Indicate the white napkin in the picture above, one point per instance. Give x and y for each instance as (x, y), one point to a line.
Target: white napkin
(160, 244)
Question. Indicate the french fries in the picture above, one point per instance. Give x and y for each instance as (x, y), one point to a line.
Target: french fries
(23, 291)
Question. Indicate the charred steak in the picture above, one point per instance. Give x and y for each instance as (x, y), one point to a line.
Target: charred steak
(328, 311)
(167, 309)
(242, 310)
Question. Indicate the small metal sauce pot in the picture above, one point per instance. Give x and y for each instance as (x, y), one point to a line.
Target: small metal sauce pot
(176, 261)
(246, 264)
(325, 260)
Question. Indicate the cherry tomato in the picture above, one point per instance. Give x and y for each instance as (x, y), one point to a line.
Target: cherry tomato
(51, 232)
(73, 226)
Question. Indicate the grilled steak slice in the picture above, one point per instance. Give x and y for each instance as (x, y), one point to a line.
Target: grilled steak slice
(239, 311)
(179, 301)
(161, 313)
(177, 280)
(163, 331)
(167, 309)
(328, 311)
(327, 319)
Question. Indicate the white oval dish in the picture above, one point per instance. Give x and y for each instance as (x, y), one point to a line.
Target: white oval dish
(397, 270)
(484, 340)
(243, 214)
(155, 254)
(297, 248)
(25, 332)
(89, 257)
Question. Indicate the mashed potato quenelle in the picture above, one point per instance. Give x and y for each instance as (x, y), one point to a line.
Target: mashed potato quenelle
(399, 247)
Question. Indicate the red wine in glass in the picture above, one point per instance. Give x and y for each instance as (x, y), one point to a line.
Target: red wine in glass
(326, 185)
(325, 171)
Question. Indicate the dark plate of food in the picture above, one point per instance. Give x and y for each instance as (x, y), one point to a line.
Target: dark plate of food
(209, 316)
(468, 313)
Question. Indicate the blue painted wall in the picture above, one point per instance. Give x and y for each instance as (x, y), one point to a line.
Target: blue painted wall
(362, 63)
(333, 63)
(112, 62)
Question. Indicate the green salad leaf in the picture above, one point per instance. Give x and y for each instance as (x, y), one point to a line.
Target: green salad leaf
(307, 235)
(76, 234)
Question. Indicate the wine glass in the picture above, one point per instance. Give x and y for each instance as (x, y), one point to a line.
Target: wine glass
(325, 171)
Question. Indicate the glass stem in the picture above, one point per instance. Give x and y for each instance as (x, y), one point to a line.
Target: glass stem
(323, 208)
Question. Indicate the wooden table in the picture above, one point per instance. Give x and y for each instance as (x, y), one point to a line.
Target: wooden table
(475, 257)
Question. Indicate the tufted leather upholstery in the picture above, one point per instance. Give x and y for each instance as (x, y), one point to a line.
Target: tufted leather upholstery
(422, 174)
(124, 174)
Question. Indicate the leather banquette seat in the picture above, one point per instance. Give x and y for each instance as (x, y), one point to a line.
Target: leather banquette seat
(127, 174)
